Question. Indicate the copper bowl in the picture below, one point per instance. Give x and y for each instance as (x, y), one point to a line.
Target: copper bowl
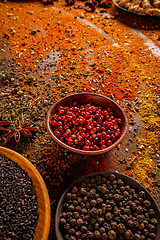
(43, 224)
(97, 100)
(127, 181)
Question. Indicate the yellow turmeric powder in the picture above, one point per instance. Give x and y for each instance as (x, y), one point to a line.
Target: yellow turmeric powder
(145, 167)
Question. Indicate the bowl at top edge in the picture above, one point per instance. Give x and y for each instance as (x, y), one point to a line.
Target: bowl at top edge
(43, 225)
(104, 174)
(97, 100)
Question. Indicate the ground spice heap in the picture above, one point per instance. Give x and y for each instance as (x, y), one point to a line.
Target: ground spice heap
(145, 168)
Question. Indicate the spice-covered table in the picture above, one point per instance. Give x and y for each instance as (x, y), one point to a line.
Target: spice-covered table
(48, 52)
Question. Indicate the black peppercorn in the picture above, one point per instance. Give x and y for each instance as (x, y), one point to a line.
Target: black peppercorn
(74, 189)
(102, 230)
(84, 236)
(62, 221)
(108, 208)
(151, 228)
(83, 229)
(127, 188)
(153, 221)
(82, 204)
(120, 182)
(136, 236)
(67, 227)
(107, 226)
(71, 208)
(75, 214)
(97, 234)
(104, 236)
(145, 232)
(89, 235)
(104, 180)
(142, 194)
(152, 235)
(121, 228)
(101, 220)
(112, 235)
(96, 225)
(84, 211)
(108, 216)
(93, 180)
(128, 234)
(122, 188)
(78, 234)
(73, 222)
(79, 222)
(87, 180)
(93, 220)
(98, 178)
(75, 203)
(93, 203)
(141, 226)
(66, 236)
(147, 203)
(85, 199)
(83, 191)
(143, 237)
(117, 197)
(78, 208)
(88, 205)
(68, 195)
(99, 201)
(83, 184)
(124, 218)
(114, 225)
(139, 210)
(133, 206)
(112, 177)
(72, 231)
(151, 212)
(74, 196)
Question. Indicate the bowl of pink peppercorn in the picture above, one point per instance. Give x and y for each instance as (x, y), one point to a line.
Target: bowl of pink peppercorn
(87, 123)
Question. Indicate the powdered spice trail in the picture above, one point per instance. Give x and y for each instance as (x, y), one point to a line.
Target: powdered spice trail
(48, 54)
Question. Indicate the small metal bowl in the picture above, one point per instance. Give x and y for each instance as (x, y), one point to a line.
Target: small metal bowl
(127, 181)
(43, 224)
(97, 100)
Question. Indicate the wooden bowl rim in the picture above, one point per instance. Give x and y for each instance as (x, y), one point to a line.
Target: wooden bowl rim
(18, 158)
(79, 151)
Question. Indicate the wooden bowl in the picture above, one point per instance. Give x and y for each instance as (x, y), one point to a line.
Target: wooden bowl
(127, 181)
(43, 225)
(97, 100)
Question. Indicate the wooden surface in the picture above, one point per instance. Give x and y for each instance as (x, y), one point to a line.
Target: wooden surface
(43, 225)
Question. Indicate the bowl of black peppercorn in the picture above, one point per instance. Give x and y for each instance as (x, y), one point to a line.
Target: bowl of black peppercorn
(107, 205)
(24, 199)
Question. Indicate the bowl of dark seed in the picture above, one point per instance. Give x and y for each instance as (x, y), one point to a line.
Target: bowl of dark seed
(87, 123)
(24, 200)
(107, 205)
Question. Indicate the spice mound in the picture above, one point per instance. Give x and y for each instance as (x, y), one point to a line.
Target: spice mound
(107, 208)
(18, 208)
(86, 127)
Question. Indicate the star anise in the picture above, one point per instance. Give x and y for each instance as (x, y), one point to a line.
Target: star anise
(24, 131)
(3, 124)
